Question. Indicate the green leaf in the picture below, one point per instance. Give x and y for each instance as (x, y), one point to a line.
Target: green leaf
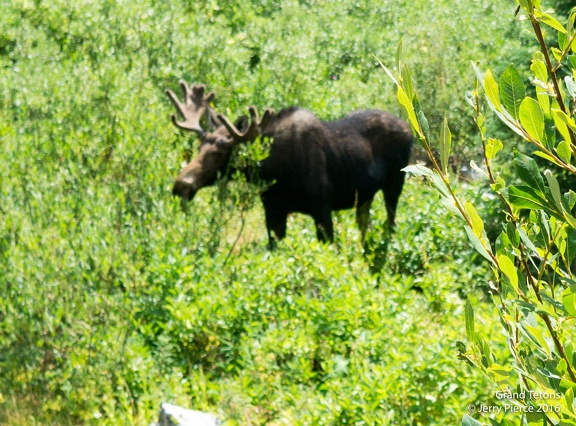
(570, 249)
(387, 71)
(540, 71)
(528, 171)
(493, 146)
(565, 118)
(525, 197)
(513, 234)
(569, 395)
(569, 200)
(527, 241)
(418, 170)
(549, 130)
(532, 118)
(449, 204)
(407, 82)
(498, 373)
(548, 157)
(445, 146)
(563, 41)
(550, 21)
(554, 189)
(536, 335)
(491, 89)
(477, 223)
(508, 269)
(564, 152)
(526, 4)
(407, 104)
(439, 183)
(477, 244)
(470, 421)
(422, 120)
(570, 85)
(512, 90)
(538, 67)
(561, 125)
(469, 319)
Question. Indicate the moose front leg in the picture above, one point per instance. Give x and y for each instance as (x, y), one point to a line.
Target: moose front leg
(363, 218)
(276, 225)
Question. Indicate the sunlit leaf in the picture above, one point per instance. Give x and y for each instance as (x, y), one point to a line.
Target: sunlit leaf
(564, 152)
(491, 88)
(469, 319)
(537, 335)
(493, 146)
(512, 90)
(477, 223)
(538, 67)
(407, 82)
(445, 146)
(499, 373)
(407, 104)
(550, 21)
(561, 115)
(418, 170)
(560, 123)
(532, 118)
(507, 267)
(548, 157)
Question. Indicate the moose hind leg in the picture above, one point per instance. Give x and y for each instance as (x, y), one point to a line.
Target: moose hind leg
(363, 218)
(324, 228)
(391, 195)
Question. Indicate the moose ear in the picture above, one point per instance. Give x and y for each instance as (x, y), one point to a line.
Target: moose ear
(242, 123)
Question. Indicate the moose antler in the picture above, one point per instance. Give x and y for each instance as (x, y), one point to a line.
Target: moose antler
(254, 129)
(194, 105)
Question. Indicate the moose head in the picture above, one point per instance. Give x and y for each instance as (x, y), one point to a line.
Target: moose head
(216, 145)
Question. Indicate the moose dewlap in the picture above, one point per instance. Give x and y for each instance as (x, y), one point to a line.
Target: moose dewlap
(316, 166)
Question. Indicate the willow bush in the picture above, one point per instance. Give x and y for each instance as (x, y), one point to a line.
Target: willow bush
(532, 257)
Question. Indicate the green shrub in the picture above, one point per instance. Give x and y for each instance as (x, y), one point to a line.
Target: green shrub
(115, 297)
(532, 257)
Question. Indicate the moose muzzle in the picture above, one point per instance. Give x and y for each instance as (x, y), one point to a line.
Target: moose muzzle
(184, 189)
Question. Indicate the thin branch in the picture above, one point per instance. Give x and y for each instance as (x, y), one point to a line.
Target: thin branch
(551, 70)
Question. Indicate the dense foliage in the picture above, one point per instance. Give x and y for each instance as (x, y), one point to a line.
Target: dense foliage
(114, 297)
(532, 258)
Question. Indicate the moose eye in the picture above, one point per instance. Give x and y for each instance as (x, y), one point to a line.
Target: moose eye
(221, 143)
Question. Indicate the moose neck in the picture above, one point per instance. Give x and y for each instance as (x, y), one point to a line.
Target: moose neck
(249, 168)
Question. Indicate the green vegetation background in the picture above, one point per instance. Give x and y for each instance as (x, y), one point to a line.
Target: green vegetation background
(114, 298)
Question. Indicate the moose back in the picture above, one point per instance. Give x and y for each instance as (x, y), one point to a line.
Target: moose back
(316, 166)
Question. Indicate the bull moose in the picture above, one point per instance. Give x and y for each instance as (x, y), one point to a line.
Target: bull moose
(315, 166)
